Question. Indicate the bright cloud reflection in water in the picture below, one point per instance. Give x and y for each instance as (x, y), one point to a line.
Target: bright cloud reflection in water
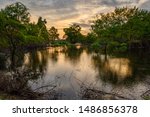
(120, 67)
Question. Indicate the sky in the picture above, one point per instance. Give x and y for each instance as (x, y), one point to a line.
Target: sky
(63, 13)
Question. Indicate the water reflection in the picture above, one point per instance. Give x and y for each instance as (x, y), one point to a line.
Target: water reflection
(108, 73)
(120, 67)
(2, 62)
(37, 60)
(73, 54)
(111, 69)
(71, 67)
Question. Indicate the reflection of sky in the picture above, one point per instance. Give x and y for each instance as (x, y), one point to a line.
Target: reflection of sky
(120, 66)
(70, 76)
(61, 13)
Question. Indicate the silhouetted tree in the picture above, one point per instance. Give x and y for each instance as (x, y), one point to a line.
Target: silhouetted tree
(53, 33)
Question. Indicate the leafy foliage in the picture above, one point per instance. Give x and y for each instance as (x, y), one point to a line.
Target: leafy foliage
(53, 33)
(17, 31)
(73, 33)
(17, 11)
(42, 28)
(120, 30)
(124, 26)
(91, 38)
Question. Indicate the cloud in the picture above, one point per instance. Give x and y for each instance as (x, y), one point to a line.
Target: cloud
(145, 4)
(82, 24)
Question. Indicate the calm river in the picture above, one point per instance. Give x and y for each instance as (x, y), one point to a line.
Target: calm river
(69, 71)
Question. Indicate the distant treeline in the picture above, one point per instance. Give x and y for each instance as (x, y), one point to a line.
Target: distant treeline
(121, 30)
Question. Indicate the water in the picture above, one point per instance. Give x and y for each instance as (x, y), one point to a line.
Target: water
(71, 69)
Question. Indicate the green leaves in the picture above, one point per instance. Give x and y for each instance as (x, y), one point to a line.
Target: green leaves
(17, 11)
(42, 28)
(53, 33)
(73, 33)
(124, 25)
(91, 38)
(16, 30)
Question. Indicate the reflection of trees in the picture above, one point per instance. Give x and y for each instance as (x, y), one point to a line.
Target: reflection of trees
(34, 62)
(11, 61)
(104, 73)
(16, 59)
(54, 53)
(140, 63)
(2, 62)
(16, 84)
(54, 57)
(113, 70)
(73, 54)
(16, 66)
(37, 60)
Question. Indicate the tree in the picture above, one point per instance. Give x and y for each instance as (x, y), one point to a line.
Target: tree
(16, 30)
(123, 25)
(53, 33)
(11, 31)
(2, 24)
(41, 22)
(42, 28)
(32, 29)
(137, 29)
(13, 36)
(107, 25)
(91, 38)
(17, 11)
(73, 33)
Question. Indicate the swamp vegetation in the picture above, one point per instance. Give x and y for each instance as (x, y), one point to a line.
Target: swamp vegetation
(110, 62)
